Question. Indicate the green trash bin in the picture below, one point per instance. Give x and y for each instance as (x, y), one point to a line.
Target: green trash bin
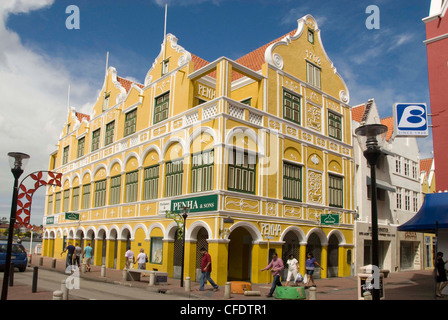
(290, 293)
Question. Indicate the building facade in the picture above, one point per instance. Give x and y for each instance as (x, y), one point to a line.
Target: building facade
(399, 198)
(437, 53)
(259, 149)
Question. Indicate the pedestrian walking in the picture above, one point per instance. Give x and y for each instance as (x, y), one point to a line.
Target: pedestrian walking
(77, 256)
(88, 256)
(129, 256)
(310, 265)
(142, 259)
(70, 251)
(276, 265)
(206, 269)
(441, 274)
(293, 269)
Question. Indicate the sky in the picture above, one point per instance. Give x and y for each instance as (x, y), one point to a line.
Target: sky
(40, 57)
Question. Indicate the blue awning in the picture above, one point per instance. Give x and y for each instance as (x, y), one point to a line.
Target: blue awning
(434, 208)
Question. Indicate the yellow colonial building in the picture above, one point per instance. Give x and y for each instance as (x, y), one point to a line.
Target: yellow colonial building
(259, 148)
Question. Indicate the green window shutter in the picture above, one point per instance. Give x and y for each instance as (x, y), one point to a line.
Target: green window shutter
(96, 139)
(161, 107)
(81, 146)
(202, 171)
(242, 172)
(151, 183)
(115, 186)
(292, 182)
(86, 196)
(174, 177)
(335, 191)
(291, 107)
(65, 155)
(75, 199)
(109, 137)
(100, 193)
(130, 122)
(132, 186)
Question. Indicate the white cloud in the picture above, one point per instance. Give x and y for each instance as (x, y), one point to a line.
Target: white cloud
(33, 103)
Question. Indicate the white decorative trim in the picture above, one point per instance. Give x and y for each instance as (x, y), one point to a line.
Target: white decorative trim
(183, 60)
(276, 60)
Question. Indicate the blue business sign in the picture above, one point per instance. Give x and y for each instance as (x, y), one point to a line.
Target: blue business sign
(411, 120)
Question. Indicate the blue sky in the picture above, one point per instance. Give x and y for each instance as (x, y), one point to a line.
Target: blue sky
(40, 57)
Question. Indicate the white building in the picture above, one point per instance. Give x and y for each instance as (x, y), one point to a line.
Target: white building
(399, 197)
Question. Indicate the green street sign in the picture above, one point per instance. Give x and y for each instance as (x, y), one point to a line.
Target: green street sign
(49, 220)
(197, 204)
(71, 216)
(329, 219)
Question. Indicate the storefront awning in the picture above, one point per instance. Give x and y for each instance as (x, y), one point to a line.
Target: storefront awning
(434, 209)
(382, 185)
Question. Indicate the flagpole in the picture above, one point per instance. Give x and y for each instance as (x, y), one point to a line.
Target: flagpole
(164, 32)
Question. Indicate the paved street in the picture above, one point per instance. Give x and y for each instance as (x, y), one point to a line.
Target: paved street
(406, 285)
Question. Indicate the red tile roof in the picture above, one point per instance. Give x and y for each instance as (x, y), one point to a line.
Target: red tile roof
(389, 123)
(255, 59)
(358, 112)
(126, 84)
(82, 116)
(425, 165)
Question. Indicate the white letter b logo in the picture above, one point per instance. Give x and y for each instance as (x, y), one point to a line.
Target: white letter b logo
(412, 117)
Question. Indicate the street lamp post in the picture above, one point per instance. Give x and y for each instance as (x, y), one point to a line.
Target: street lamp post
(372, 153)
(17, 163)
(186, 210)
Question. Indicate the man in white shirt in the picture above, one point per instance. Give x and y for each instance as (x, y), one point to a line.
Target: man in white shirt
(129, 256)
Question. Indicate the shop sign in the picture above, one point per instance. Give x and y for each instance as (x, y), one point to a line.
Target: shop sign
(197, 204)
(411, 120)
(329, 219)
(49, 220)
(206, 92)
(410, 235)
(71, 216)
(270, 229)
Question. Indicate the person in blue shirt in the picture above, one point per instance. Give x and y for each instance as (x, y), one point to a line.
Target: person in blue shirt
(310, 265)
(88, 256)
(70, 252)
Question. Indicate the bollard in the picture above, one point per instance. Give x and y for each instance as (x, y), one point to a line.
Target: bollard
(367, 295)
(125, 274)
(187, 284)
(35, 274)
(64, 289)
(11, 275)
(83, 268)
(57, 295)
(103, 271)
(41, 261)
(312, 292)
(227, 291)
(152, 278)
(53, 263)
(252, 293)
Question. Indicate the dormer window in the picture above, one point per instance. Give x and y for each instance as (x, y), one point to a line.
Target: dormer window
(311, 36)
(106, 100)
(165, 66)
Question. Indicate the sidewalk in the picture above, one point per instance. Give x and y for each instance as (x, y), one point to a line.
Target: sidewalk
(406, 285)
